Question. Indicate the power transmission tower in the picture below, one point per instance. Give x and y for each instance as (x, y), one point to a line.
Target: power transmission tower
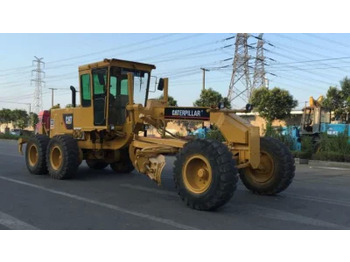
(38, 74)
(240, 67)
(259, 79)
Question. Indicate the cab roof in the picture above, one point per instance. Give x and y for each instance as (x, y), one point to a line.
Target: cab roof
(118, 63)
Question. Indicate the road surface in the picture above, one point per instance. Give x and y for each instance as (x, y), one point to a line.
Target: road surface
(318, 198)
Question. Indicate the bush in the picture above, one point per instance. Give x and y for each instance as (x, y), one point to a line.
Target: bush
(277, 134)
(329, 156)
(14, 137)
(307, 145)
(8, 137)
(339, 143)
(301, 154)
(215, 134)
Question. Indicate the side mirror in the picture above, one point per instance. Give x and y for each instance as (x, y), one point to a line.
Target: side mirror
(161, 84)
(249, 107)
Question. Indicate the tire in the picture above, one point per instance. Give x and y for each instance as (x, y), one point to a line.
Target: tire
(96, 164)
(214, 181)
(36, 154)
(124, 165)
(62, 157)
(278, 172)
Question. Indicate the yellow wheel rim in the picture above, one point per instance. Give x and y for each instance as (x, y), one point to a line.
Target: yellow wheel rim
(56, 157)
(197, 174)
(33, 155)
(265, 170)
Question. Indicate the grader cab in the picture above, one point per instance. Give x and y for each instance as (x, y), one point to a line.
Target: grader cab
(109, 128)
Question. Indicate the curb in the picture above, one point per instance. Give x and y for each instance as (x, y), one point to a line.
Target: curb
(318, 163)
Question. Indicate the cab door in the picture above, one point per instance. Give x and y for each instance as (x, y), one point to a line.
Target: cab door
(99, 85)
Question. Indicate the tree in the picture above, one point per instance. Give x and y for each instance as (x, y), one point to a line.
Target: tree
(33, 119)
(273, 103)
(345, 93)
(334, 101)
(6, 116)
(171, 100)
(211, 98)
(338, 100)
(20, 118)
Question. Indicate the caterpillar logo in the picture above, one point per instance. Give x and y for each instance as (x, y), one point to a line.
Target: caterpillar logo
(186, 113)
(68, 121)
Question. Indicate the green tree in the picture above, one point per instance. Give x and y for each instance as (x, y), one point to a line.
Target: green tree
(211, 98)
(338, 100)
(33, 119)
(20, 118)
(171, 100)
(273, 104)
(334, 101)
(345, 93)
(6, 116)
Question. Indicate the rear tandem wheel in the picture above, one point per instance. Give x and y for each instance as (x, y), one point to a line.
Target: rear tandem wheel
(275, 172)
(36, 154)
(62, 157)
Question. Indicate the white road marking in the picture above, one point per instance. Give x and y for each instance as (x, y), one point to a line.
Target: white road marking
(320, 199)
(312, 198)
(291, 217)
(151, 190)
(105, 205)
(14, 223)
(7, 154)
(329, 167)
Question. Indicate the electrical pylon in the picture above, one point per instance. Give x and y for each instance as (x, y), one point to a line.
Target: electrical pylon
(259, 78)
(240, 67)
(39, 74)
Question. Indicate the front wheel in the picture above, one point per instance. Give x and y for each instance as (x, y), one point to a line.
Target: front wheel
(205, 174)
(275, 172)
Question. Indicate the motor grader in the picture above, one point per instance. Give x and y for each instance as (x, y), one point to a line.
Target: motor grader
(109, 127)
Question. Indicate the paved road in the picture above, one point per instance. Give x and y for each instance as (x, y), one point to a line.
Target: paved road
(317, 199)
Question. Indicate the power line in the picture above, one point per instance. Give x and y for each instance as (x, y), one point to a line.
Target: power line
(327, 40)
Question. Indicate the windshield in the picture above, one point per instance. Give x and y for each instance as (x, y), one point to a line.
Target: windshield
(119, 83)
(118, 92)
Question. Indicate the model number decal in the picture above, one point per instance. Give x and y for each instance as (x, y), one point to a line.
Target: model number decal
(68, 120)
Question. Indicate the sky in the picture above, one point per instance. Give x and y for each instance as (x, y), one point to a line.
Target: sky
(304, 64)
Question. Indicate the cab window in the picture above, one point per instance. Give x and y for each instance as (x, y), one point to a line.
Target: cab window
(85, 90)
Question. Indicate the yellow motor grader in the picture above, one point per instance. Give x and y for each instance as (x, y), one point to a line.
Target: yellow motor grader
(109, 127)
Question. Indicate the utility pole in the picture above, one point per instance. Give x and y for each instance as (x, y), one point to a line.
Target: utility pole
(39, 74)
(204, 70)
(52, 96)
(240, 67)
(259, 69)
